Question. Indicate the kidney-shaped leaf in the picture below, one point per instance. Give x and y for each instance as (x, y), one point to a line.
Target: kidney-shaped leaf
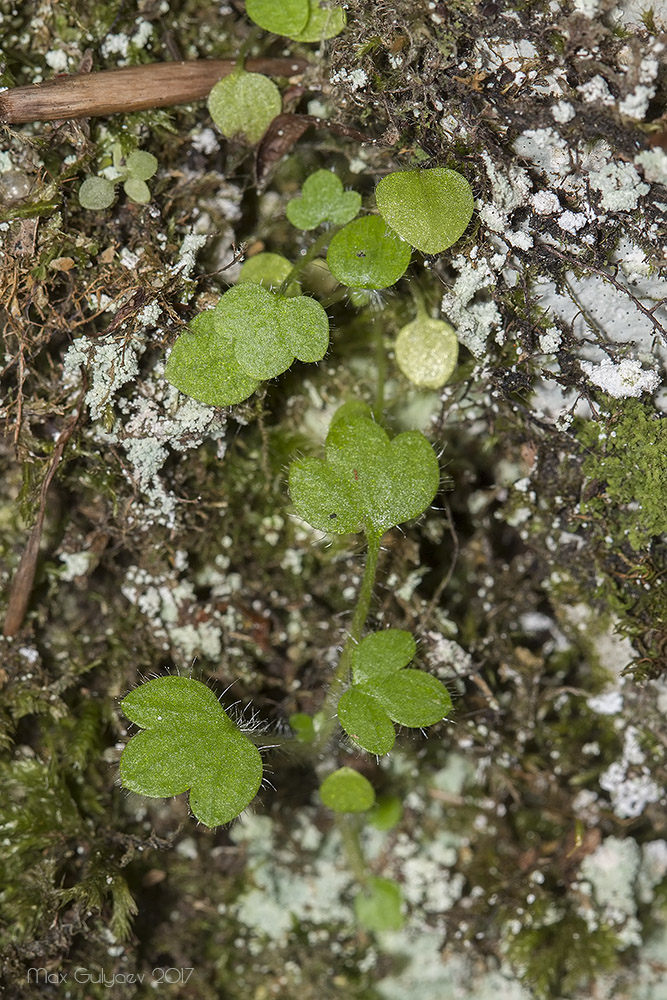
(367, 254)
(366, 482)
(383, 692)
(243, 104)
(270, 270)
(347, 791)
(323, 200)
(429, 208)
(189, 742)
(202, 364)
(427, 351)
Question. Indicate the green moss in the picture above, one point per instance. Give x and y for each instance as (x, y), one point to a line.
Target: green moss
(626, 465)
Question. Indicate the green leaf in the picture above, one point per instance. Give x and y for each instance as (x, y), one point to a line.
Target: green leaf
(430, 209)
(189, 742)
(366, 482)
(137, 190)
(412, 698)
(270, 270)
(383, 692)
(382, 653)
(367, 254)
(303, 727)
(378, 906)
(347, 791)
(243, 104)
(366, 722)
(141, 165)
(202, 364)
(96, 193)
(323, 22)
(323, 200)
(427, 351)
(269, 331)
(386, 813)
(288, 17)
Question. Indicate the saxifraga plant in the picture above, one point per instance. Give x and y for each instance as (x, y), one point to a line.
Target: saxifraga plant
(365, 483)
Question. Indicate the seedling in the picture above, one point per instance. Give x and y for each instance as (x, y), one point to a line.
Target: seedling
(365, 482)
(132, 171)
(347, 791)
(251, 335)
(383, 692)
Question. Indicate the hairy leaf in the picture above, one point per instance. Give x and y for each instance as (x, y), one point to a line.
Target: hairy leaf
(365, 482)
(202, 364)
(269, 330)
(189, 742)
(383, 692)
(429, 208)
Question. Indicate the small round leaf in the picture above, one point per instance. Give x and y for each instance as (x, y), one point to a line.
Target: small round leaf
(137, 190)
(386, 813)
(367, 254)
(347, 791)
(96, 193)
(427, 351)
(243, 104)
(430, 209)
(141, 164)
(412, 698)
(269, 270)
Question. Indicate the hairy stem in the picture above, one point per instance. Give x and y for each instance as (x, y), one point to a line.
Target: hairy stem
(342, 672)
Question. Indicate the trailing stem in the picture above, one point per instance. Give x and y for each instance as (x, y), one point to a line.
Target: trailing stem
(342, 672)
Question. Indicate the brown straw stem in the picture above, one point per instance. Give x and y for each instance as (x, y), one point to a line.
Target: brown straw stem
(156, 85)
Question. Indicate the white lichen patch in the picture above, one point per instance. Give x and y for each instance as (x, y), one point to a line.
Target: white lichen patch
(622, 380)
(628, 780)
(473, 321)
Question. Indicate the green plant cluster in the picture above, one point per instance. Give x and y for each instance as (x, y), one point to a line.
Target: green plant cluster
(257, 331)
(132, 171)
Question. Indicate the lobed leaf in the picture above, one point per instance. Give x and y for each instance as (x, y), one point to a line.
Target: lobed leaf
(365, 482)
(243, 104)
(96, 193)
(202, 364)
(189, 742)
(347, 791)
(430, 209)
(323, 200)
(383, 692)
(427, 351)
(367, 254)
